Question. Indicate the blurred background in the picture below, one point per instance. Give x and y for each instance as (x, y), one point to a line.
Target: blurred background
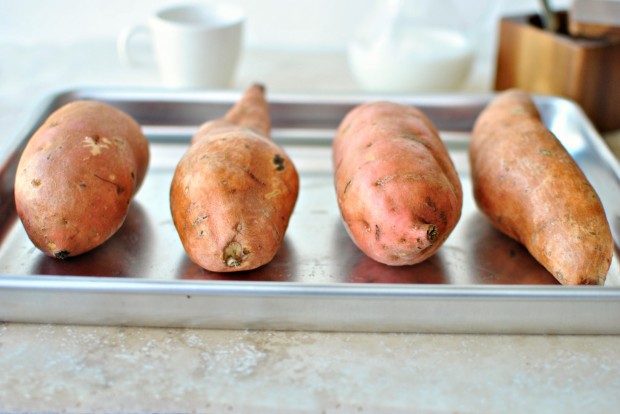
(76, 39)
(296, 45)
(275, 24)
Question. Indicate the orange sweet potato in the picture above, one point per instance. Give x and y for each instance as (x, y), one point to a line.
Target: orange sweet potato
(77, 176)
(234, 190)
(531, 189)
(398, 191)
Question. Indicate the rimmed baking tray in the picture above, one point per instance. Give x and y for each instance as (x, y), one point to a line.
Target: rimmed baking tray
(479, 282)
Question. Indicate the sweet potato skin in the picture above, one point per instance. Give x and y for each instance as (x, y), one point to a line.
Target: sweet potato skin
(77, 176)
(233, 192)
(398, 191)
(531, 189)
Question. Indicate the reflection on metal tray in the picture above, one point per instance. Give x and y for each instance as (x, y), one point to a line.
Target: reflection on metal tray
(480, 281)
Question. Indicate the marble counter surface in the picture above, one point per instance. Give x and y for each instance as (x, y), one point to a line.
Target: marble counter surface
(109, 369)
(63, 368)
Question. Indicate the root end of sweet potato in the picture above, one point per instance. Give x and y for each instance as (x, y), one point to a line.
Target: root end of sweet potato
(234, 254)
(432, 233)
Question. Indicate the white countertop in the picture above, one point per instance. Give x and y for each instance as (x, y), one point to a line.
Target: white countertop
(55, 368)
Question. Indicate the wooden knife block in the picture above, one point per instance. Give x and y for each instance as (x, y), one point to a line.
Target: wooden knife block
(586, 71)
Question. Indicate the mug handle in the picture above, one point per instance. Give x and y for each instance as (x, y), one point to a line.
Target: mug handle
(123, 44)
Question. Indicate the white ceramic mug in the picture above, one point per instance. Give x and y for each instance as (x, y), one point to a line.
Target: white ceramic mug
(195, 45)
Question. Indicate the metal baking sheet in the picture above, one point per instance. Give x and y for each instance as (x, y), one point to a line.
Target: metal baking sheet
(479, 282)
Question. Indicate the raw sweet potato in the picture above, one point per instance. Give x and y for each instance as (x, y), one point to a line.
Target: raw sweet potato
(398, 191)
(77, 176)
(234, 190)
(531, 189)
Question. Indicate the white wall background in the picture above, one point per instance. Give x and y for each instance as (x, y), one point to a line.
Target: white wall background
(274, 24)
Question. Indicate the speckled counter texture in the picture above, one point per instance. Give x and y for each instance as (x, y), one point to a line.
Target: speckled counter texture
(112, 369)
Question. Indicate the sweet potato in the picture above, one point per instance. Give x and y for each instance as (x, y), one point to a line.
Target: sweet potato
(77, 176)
(398, 191)
(531, 189)
(234, 190)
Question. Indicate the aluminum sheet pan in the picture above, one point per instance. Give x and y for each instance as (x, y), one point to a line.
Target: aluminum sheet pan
(479, 282)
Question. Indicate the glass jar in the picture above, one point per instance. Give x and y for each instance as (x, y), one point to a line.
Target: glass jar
(416, 45)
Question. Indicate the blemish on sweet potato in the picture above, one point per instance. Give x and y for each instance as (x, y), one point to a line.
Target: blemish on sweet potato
(254, 177)
(200, 219)
(119, 189)
(36, 182)
(279, 162)
(273, 194)
(443, 217)
(96, 144)
(346, 128)
(63, 254)
(429, 202)
(384, 180)
(432, 233)
(366, 226)
(416, 138)
(346, 187)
